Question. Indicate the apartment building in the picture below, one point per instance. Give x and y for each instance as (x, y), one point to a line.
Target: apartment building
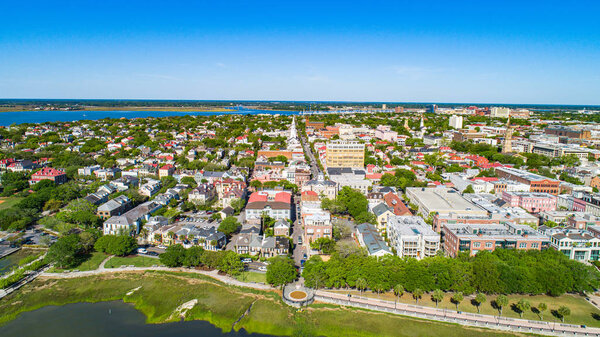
(343, 153)
(410, 236)
(562, 131)
(531, 201)
(577, 244)
(473, 238)
(536, 182)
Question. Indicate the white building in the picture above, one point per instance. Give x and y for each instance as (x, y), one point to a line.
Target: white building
(410, 236)
(498, 112)
(577, 244)
(456, 122)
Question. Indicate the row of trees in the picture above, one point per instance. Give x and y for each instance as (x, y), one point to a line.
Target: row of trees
(225, 261)
(500, 272)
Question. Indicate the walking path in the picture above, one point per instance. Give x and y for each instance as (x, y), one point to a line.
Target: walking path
(445, 315)
(423, 312)
(213, 273)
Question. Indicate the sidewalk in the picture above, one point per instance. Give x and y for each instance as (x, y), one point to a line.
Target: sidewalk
(451, 316)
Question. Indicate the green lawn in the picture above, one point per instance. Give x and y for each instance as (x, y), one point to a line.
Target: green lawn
(158, 294)
(9, 202)
(250, 276)
(91, 263)
(132, 260)
(582, 312)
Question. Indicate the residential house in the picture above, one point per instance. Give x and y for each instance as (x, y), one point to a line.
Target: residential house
(116, 206)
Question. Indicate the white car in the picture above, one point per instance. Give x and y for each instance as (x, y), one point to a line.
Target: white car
(262, 268)
(142, 250)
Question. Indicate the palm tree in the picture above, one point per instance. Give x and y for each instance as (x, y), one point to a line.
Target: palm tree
(398, 290)
(457, 298)
(437, 296)
(144, 233)
(523, 305)
(541, 308)
(563, 311)
(171, 236)
(480, 299)
(501, 302)
(378, 288)
(417, 294)
(157, 237)
(361, 284)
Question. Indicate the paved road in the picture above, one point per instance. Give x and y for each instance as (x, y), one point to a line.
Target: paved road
(314, 168)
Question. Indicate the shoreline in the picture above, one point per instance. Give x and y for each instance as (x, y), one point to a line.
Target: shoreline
(136, 108)
(228, 307)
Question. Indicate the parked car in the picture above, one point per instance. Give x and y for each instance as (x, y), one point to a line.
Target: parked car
(262, 268)
(142, 251)
(246, 260)
(299, 239)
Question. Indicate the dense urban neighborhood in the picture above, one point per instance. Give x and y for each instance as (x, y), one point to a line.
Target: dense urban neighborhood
(494, 210)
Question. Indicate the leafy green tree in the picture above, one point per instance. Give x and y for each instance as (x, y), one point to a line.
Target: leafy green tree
(325, 245)
(541, 308)
(230, 263)
(189, 181)
(281, 271)
(501, 301)
(66, 252)
(174, 256)
(193, 256)
(314, 272)
(563, 311)
(237, 205)
(119, 245)
(469, 189)
(229, 225)
(437, 296)
(522, 306)
(457, 298)
(479, 300)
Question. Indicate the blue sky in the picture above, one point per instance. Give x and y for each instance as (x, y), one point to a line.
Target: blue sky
(398, 51)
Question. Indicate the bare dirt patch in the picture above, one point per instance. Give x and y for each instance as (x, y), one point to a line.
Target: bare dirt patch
(298, 295)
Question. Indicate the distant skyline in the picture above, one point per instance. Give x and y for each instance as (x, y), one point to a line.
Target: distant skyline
(520, 52)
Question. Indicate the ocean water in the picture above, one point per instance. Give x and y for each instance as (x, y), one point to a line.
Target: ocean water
(9, 118)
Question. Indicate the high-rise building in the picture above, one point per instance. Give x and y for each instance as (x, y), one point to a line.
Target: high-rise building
(507, 144)
(456, 122)
(345, 154)
(497, 112)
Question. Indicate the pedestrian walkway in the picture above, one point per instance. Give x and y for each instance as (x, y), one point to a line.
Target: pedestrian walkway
(451, 316)
(422, 312)
(213, 273)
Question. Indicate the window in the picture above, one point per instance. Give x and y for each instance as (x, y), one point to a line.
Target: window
(476, 244)
(488, 245)
(535, 245)
(522, 245)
